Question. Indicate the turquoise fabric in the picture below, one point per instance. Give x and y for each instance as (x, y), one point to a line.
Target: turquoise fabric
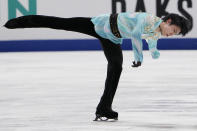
(135, 26)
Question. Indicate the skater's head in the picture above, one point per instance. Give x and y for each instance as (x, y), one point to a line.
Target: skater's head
(174, 24)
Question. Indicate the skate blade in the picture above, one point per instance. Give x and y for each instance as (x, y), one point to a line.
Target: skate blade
(99, 118)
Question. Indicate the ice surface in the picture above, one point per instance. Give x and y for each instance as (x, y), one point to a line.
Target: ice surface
(59, 91)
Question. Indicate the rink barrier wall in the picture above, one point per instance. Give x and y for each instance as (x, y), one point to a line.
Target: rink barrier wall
(88, 44)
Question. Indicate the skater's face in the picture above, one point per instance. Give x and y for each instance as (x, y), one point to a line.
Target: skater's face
(168, 29)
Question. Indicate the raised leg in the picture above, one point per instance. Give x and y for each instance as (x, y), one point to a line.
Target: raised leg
(76, 24)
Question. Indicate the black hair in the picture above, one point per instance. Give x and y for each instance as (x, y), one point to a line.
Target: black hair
(180, 21)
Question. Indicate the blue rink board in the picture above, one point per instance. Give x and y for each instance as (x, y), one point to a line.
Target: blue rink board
(88, 44)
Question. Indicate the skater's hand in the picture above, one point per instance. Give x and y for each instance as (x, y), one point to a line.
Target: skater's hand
(136, 64)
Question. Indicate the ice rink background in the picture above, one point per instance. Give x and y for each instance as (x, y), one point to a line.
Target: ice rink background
(59, 91)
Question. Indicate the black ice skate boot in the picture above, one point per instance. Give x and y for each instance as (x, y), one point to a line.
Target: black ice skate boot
(106, 114)
(104, 110)
(20, 22)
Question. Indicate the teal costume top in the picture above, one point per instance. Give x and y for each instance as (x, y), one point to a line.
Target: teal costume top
(135, 26)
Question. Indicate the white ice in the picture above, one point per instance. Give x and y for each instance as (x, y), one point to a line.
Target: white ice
(59, 91)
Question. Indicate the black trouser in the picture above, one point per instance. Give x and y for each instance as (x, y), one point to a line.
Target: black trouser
(112, 51)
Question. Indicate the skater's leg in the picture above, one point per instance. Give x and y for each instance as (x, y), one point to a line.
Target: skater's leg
(114, 57)
(77, 24)
(112, 51)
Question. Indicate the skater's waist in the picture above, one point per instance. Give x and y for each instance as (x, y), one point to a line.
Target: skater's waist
(114, 25)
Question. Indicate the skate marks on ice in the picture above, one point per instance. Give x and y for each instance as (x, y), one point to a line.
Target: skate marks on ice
(164, 121)
(52, 91)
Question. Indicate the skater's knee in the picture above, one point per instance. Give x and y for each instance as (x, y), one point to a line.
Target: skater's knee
(116, 62)
(116, 65)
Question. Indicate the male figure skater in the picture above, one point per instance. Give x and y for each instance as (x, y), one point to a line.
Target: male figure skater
(111, 30)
